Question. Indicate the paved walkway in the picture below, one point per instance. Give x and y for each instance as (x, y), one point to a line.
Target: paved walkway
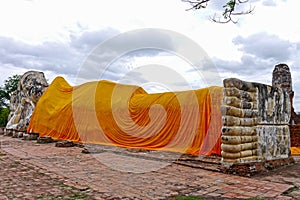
(42, 171)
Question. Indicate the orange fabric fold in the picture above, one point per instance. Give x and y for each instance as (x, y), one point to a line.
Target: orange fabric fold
(295, 151)
(127, 116)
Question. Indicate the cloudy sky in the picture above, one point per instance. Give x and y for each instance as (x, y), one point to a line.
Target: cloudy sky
(59, 38)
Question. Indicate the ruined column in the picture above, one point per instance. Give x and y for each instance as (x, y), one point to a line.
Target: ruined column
(282, 78)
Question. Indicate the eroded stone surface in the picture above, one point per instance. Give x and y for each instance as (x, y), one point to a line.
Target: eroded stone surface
(274, 141)
(282, 78)
(65, 143)
(45, 139)
(255, 121)
(23, 101)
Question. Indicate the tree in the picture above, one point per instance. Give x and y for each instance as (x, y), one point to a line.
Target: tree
(230, 9)
(4, 112)
(10, 85)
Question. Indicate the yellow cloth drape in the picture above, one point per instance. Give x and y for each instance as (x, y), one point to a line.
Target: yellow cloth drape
(127, 116)
(295, 151)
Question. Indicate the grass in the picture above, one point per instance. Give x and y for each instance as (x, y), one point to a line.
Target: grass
(77, 196)
(290, 190)
(15, 164)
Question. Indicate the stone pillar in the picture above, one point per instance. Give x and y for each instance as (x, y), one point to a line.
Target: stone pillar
(282, 78)
(255, 122)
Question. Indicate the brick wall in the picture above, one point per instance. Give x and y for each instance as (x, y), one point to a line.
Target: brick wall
(295, 135)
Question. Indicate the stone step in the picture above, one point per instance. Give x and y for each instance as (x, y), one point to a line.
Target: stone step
(65, 143)
(201, 165)
(212, 163)
(201, 158)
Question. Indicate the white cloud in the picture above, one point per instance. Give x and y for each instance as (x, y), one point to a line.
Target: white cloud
(269, 3)
(266, 46)
(57, 36)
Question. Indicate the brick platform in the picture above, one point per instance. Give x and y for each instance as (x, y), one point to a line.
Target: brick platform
(105, 175)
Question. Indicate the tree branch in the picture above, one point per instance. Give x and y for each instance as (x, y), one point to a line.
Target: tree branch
(195, 5)
(229, 9)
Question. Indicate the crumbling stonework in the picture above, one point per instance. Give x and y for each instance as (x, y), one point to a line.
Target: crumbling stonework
(23, 101)
(255, 122)
(282, 78)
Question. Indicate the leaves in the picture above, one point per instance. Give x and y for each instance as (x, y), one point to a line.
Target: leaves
(4, 112)
(10, 85)
(229, 8)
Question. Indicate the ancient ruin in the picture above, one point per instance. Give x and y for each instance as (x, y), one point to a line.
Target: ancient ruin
(255, 123)
(259, 124)
(23, 101)
(282, 78)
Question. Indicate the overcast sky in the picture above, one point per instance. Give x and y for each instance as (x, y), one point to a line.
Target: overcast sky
(57, 37)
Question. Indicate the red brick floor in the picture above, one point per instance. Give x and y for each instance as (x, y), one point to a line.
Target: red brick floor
(43, 171)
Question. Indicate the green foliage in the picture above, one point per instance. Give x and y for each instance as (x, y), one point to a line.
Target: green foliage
(230, 5)
(4, 112)
(77, 196)
(229, 8)
(291, 190)
(10, 85)
(3, 98)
